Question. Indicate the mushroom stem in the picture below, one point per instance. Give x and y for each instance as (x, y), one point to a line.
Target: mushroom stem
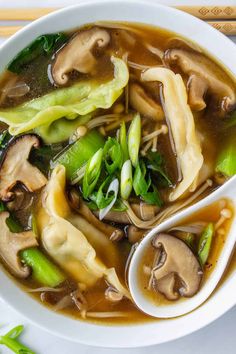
(156, 133)
(224, 215)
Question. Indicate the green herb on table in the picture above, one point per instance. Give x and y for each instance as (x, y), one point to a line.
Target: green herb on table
(11, 341)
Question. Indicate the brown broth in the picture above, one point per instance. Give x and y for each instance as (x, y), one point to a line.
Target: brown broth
(132, 38)
(208, 214)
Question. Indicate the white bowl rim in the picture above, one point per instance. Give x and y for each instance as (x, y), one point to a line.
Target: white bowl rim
(149, 333)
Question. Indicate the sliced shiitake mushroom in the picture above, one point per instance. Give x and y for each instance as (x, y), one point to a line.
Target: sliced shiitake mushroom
(16, 168)
(77, 54)
(178, 271)
(10, 246)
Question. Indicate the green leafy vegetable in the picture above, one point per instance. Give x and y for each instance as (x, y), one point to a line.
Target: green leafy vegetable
(10, 340)
(119, 206)
(126, 180)
(44, 271)
(141, 184)
(92, 173)
(123, 141)
(3, 139)
(152, 197)
(205, 243)
(61, 129)
(44, 44)
(134, 138)
(68, 103)
(226, 161)
(155, 163)
(112, 155)
(76, 156)
(144, 187)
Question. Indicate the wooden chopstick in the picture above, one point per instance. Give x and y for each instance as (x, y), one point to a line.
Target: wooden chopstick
(24, 14)
(210, 12)
(6, 31)
(225, 24)
(226, 27)
(203, 12)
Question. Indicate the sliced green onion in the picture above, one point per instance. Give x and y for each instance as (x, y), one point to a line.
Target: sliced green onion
(92, 173)
(114, 189)
(123, 141)
(112, 155)
(226, 162)
(11, 342)
(140, 184)
(103, 200)
(126, 180)
(77, 154)
(134, 138)
(43, 270)
(205, 243)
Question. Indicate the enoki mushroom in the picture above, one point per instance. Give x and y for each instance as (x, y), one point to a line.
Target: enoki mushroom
(166, 212)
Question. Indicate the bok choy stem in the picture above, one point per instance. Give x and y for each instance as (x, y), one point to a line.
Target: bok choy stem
(76, 155)
(43, 270)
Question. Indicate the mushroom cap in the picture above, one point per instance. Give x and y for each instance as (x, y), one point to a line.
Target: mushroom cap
(204, 77)
(178, 272)
(77, 54)
(16, 168)
(11, 244)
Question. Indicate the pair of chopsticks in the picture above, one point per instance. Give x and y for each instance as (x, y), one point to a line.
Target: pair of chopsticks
(222, 18)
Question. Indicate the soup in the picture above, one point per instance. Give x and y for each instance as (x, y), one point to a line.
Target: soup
(106, 131)
(204, 234)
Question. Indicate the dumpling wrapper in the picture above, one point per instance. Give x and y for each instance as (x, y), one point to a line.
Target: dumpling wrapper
(64, 105)
(181, 122)
(66, 244)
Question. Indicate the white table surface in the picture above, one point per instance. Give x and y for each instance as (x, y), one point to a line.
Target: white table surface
(218, 337)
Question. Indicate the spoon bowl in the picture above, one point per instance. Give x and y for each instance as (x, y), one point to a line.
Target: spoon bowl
(178, 308)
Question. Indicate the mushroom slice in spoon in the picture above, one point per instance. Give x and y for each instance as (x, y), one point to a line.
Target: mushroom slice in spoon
(16, 167)
(77, 54)
(178, 272)
(10, 246)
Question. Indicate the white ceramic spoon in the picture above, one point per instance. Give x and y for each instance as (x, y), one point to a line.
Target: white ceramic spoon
(178, 308)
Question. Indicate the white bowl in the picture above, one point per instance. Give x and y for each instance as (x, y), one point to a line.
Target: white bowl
(224, 298)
